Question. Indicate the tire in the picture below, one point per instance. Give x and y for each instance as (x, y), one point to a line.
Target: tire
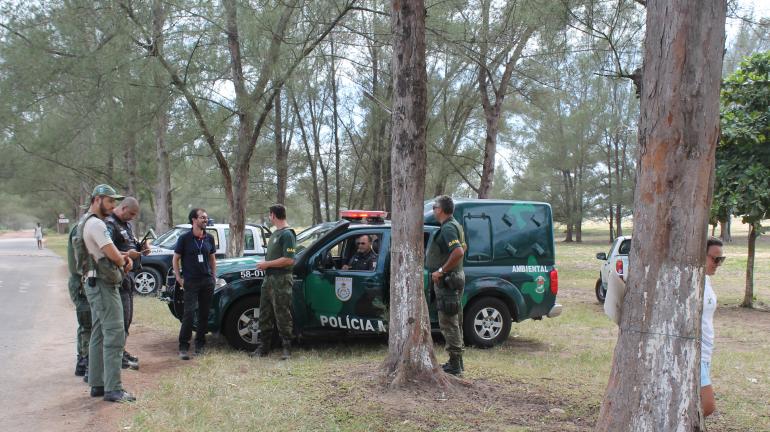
(241, 326)
(147, 281)
(601, 290)
(487, 322)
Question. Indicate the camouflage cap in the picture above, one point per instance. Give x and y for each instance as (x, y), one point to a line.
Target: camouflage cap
(106, 190)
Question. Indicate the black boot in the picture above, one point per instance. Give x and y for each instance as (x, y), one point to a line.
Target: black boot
(128, 363)
(454, 365)
(263, 350)
(81, 365)
(286, 354)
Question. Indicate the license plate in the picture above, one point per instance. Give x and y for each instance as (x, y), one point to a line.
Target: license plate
(252, 274)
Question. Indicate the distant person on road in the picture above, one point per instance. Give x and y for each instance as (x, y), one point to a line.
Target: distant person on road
(714, 258)
(82, 308)
(39, 236)
(445, 262)
(365, 259)
(104, 268)
(275, 300)
(122, 235)
(195, 269)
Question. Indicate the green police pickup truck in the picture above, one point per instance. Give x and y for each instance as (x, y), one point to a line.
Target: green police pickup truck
(509, 270)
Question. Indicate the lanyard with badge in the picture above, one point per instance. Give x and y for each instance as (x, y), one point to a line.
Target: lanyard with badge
(200, 247)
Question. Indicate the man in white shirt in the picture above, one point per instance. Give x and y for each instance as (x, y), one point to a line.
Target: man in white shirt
(714, 258)
(104, 273)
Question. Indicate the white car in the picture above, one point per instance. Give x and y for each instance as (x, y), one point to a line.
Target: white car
(156, 267)
(616, 259)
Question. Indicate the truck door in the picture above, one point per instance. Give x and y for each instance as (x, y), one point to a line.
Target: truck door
(345, 287)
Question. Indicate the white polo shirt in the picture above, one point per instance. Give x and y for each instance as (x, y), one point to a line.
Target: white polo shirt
(96, 236)
(707, 323)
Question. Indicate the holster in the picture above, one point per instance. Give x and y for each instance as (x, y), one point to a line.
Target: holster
(448, 292)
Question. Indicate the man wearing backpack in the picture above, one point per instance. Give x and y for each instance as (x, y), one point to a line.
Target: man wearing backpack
(82, 308)
(104, 268)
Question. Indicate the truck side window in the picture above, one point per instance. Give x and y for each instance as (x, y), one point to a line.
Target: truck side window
(248, 240)
(625, 247)
(215, 234)
(478, 236)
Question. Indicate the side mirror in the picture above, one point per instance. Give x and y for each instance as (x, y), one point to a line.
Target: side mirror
(601, 256)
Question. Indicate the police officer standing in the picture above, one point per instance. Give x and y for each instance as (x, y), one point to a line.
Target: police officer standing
(365, 259)
(122, 236)
(445, 261)
(194, 256)
(275, 301)
(82, 308)
(104, 268)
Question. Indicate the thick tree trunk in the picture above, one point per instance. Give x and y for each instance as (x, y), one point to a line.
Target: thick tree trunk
(654, 382)
(410, 347)
(748, 297)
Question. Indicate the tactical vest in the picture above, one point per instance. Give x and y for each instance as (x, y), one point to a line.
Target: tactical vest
(85, 262)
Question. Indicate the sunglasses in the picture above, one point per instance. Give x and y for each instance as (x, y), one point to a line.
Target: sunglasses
(718, 260)
(360, 243)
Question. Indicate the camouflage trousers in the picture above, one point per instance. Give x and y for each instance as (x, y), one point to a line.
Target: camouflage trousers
(275, 307)
(451, 324)
(82, 312)
(108, 337)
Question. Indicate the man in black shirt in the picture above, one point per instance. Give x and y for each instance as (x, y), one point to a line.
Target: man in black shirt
(122, 236)
(195, 252)
(365, 259)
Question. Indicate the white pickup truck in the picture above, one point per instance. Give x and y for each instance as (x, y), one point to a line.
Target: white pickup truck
(156, 267)
(616, 259)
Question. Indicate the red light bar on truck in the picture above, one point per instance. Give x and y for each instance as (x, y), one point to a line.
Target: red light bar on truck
(363, 215)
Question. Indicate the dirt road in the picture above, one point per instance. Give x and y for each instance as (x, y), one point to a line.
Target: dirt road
(38, 388)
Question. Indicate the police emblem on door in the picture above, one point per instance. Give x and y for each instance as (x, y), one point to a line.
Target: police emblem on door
(343, 288)
(540, 285)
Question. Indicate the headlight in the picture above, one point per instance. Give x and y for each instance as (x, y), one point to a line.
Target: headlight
(221, 282)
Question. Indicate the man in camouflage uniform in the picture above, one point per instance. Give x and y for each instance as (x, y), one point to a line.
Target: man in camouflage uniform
(445, 262)
(275, 301)
(82, 308)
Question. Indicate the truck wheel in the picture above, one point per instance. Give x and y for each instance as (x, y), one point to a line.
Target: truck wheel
(147, 281)
(487, 322)
(242, 324)
(601, 290)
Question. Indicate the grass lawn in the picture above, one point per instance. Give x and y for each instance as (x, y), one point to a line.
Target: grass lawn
(549, 376)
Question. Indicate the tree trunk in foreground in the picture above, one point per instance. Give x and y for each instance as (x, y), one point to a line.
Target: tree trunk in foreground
(654, 384)
(410, 346)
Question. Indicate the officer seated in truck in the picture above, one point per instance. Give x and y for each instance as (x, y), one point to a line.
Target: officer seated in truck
(365, 258)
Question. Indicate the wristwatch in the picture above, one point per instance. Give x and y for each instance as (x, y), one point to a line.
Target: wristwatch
(441, 270)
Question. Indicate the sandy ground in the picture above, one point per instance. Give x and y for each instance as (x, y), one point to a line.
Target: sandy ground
(38, 390)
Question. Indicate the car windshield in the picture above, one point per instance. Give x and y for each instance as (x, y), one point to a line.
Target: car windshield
(168, 239)
(310, 235)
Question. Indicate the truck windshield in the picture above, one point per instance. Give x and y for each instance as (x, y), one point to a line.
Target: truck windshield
(168, 239)
(310, 235)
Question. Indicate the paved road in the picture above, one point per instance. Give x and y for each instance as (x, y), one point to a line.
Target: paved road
(38, 389)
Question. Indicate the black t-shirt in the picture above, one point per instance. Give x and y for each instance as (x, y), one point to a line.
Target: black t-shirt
(189, 247)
